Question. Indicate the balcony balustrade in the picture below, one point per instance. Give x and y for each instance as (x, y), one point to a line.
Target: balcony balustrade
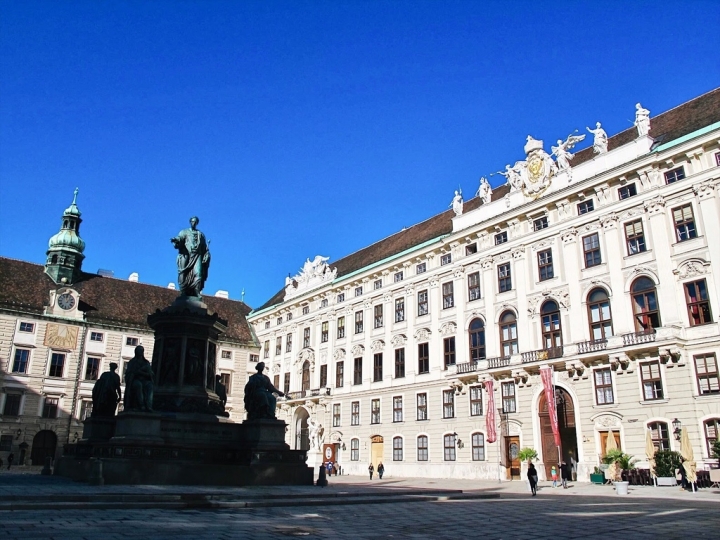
(592, 345)
(316, 392)
(636, 338)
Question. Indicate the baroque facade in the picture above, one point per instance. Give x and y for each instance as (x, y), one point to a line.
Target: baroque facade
(425, 350)
(60, 328)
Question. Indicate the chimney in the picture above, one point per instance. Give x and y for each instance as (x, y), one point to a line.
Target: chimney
(134, 277)
(222, 294)
(171, 286)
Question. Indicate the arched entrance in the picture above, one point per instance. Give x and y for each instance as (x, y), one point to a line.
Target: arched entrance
(302, 439)
(376, 450)
(44, 445)
(566, 426)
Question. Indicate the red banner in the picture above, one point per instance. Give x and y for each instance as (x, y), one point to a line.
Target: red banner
(491, 435)
(546, 374)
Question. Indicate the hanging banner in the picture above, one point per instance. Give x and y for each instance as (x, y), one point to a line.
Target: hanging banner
(491, 435)
(546, 374)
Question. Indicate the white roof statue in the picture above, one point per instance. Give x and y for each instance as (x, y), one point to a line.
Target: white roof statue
(600, 143)
(312, 274)
(484, 191)
(457, 203)
(642, 120)
(562, 155)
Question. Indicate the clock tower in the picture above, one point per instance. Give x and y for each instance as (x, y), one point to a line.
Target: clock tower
(65, 249)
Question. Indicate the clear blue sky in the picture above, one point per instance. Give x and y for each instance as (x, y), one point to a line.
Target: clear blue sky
(304, 127)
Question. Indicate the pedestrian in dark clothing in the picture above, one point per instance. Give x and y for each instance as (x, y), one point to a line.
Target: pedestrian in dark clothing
(1, 463)
(532, 478)
(371, 470)
(11, 457)
(565, 474)
(381, 470)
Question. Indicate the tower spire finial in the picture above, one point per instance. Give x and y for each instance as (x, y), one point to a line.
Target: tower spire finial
(75, 194)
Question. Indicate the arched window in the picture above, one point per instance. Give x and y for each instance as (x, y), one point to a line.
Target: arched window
(646, 311)
(354, 449)
(478, 447)
(422, 448)
(508, 333)
(599, 315)
(551, 331)
(477, 340)
(397, 449)
(660, 435)
(449, 444)
(306, 376)
(712, 433)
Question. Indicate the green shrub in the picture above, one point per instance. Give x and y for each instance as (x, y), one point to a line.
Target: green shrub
(716, 450)
(666, 461)
(527, 453)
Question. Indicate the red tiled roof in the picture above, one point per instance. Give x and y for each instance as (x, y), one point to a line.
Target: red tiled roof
(108, 300)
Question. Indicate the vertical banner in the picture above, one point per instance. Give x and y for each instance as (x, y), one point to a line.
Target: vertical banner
(491, 435)
(546, 374)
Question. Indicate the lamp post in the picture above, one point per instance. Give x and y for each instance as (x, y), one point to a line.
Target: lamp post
(677, 429)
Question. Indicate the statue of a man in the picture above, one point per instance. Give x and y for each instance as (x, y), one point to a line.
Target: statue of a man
(600, 142)
(106, 393)
(259, 400)
(220, 390)
(642, 120)
(193, 260)
(139, 383)
(484, 191)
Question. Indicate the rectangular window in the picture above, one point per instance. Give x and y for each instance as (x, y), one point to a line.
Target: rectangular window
(132, 341)
(603, 387)
(358, 322)
(305, 310)
(355, 413)
(21, 361)
(399, 309)
(357, 372)
(698, 303)
(421, 268)
(501, 238)
(324, 332)
(286, 383)
(323, 303)
(306, 338)
(358, 291)
(591, 250)
(12, 405)
(471, 249)
(422, 448)
(336, 415)
(423, 358)
(278, 346)
(377, 367)
(92, 369)
(399, 363)
(279, 321)
(57, 365)
(323, 376)
(254, 357)
(717, 159)
(85, 409)
(508, 397)
(626, 192)
(684, 223)
(227, 355)
(540, 223)
(96, 336)
(267, 325)
(585, 207)
(675, 175)
(449, 351)
(355, 450)
(288, 343)
(447, 295)
(545, 265)
(422, 406)
(398, 277)
(377, 284)
(397, 409)
(341, 327)
(226, 381)
(708, 378)
(651, 381)
(27, 327)
(340, 298)
(448, 403)
(504, 277)
(476, 404)
(635, 237)
(266, 349)
(276, 381)
(473, 286)
(423, 308)
(397, 449)
(289, 317)
(449, 445)
(378, 316)
(50, 407)
(445, 259)
(478, 447)
(339, 374)
(375, 411)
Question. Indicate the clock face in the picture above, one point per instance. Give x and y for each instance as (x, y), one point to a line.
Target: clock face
(66, 301)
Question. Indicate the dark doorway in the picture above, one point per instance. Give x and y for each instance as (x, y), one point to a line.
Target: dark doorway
(512, 449)
(44, 445)
(566, 425)
(302, 436)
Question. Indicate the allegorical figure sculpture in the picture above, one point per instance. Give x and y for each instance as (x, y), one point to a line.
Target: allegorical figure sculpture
(220, 390)
(562, 154)
(457, 203)
(139, 383)
(642, 120)
(106, 393)
(513, 175)
(259, 395)
(193, 260)
(600, 142)
(484, 191)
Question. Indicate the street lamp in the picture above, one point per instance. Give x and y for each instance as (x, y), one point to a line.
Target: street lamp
(677, 426)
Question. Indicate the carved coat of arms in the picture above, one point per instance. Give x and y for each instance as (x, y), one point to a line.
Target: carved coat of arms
(538, 171)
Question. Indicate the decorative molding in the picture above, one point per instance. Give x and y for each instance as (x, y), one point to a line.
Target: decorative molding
(518, 252)
(605, 421)
(339, 354)
(655, 206)
(448, 328)
(706, 189)
(568, 235)
(422, 334)
(377, 345)
(398, 340)
(691, 268)
(487, 263)
(357, 350)
(609, 221)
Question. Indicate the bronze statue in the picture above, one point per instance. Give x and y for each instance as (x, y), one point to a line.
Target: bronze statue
(220, 390)
(106, 393)
(193, 260)
(139, 383)
(259, 396)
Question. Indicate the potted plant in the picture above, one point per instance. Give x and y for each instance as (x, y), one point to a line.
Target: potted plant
(619, 461)
(597, 476)
(716, 450)
(666, 463)
(526, 455)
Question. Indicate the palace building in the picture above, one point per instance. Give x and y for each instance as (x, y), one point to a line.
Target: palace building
(60, 328)
(589, 279)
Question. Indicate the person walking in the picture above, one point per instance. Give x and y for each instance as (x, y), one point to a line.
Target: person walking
(371, 470)
(532, 478)
(554, 475)
(11, 458)
(565, 474)
(381, 470)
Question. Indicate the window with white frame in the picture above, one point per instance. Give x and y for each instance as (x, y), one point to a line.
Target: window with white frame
(421, 268)
(476, 403)
(50, 407)
(445, 259)
(603, 386)
(399, 310)
(651, 381)
(422, 406)
(706, 370)
(397, 409)
(57, 365)
(397, 449)
(448, 403)
(354, 449)
(478, 447)
(675, 175)
(375, 411)
(226, 355)
(448, 295)
(27, 327)
(355, 413)
(398, 277)
(422, 448)
(21, 361)
(378, 316)
(473, 281)
(92, 368)
(422, 300)
(377, 284)
(358, 291)
(449, 447)
(336, 415)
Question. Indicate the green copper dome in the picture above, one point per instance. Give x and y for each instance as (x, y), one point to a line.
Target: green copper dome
(68, 237)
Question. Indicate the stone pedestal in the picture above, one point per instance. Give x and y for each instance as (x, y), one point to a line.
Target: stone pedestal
(98, 428)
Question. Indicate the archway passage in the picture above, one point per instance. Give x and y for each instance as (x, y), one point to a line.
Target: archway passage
(44, 445)
(302, 437)
(376, 450)
(566, 425)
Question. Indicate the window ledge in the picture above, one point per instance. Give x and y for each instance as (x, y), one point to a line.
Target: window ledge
(689, 241)
(606, 406)
(706, 397)
(651, 402)
(647, 253)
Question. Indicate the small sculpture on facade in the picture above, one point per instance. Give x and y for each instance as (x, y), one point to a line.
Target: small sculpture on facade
(193, 260)
(484, 191)
(220, 390)
(314, 429)
(139, 383)
(600, 143)
(562, 154)
(259, 399)
(642, 120)
(457, 203)
(513, 176)
(106, 393)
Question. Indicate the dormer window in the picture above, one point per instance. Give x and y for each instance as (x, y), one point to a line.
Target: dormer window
(540, 223)
(446, 259)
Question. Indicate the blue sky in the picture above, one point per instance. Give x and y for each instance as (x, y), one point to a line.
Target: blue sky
(302, 128)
